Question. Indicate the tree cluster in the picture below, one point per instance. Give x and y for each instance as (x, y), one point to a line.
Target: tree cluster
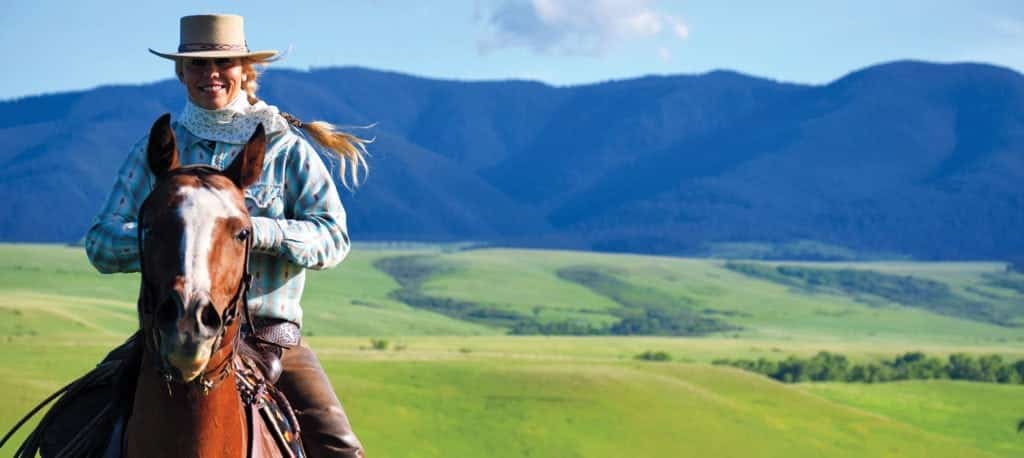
(834, 367)
(645, 311)
(931, 295)
(651, 355)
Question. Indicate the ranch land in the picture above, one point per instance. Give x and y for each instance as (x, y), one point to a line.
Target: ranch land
(443, 351)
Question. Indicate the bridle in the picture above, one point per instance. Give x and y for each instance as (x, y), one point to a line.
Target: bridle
(220, 362)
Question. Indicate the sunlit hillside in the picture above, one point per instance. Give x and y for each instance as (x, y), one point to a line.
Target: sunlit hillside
(448, 379)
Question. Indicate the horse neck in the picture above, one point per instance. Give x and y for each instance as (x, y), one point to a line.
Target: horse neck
(175, 420)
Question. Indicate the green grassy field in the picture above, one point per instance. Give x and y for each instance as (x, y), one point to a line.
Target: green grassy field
(448, 387)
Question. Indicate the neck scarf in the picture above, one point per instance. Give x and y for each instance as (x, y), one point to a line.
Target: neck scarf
(234, 123)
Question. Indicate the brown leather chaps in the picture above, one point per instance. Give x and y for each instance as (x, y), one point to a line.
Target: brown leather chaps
(326, 431)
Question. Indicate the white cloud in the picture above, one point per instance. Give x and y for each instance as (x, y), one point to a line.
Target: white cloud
(579, 27)
(665, 54)
(679, 28)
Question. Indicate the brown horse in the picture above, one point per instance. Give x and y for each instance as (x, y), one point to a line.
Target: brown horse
(188, 392)
(195, 235)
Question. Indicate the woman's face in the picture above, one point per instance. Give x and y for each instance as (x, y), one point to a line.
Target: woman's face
(212, 83)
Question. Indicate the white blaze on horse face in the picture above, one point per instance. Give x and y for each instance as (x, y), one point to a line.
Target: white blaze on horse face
(201, 210)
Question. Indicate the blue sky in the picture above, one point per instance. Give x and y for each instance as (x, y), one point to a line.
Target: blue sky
(54, 46)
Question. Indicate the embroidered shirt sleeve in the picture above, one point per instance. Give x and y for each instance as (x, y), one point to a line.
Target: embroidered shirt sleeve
(316, 235)
(112, 241)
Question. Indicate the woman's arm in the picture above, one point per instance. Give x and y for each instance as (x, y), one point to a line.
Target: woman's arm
(316, 235)
(112, 241)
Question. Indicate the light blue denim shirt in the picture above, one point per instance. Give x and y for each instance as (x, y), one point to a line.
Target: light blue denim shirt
(298, 220)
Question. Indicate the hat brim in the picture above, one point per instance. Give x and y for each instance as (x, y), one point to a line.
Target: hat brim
(255, 56)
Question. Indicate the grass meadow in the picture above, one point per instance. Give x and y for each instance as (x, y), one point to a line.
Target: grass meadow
(465, 388)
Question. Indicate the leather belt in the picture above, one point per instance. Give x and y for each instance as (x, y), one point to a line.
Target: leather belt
(278, 332)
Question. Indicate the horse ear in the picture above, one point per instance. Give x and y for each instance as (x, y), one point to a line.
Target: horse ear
(248, 164)
(162, 152)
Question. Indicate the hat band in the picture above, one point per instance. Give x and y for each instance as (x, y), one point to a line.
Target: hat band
(194, 47)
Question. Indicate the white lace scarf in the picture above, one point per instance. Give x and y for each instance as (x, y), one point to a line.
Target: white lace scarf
(234, 123)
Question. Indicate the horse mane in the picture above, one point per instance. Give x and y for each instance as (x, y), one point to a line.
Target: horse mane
(85, 411)
(127, 376)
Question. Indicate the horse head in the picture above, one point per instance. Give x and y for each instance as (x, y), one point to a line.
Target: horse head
(194, 239)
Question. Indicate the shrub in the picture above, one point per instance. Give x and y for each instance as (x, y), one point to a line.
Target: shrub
(827, 366)
(654, 356)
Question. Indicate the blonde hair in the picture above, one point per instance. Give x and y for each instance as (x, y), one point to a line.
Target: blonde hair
(350, 149)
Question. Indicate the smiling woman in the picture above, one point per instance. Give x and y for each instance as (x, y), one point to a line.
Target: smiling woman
(297, 219)
(211, 83)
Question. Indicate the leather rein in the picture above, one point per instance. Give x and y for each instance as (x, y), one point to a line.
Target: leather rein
(220, 363)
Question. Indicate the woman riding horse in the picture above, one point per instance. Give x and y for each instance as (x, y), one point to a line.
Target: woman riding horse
(297, 216)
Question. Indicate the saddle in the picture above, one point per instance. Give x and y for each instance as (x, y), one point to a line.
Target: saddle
(268, 411)
(88, 417)
(270, 338)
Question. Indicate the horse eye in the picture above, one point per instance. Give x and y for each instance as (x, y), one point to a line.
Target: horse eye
(242, 234)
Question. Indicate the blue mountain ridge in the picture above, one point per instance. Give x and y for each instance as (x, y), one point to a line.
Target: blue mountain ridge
(905, 157)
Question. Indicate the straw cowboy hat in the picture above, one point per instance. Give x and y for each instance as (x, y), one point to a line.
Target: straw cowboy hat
(213, 36)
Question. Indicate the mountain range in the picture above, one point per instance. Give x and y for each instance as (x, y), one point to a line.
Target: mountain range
(921, 159)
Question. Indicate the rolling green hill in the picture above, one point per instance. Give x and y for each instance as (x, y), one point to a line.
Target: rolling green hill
(959, 410)
(358, 298)
(528, 282)
(461, 387)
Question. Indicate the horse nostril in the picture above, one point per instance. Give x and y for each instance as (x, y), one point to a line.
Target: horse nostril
(209, 317)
